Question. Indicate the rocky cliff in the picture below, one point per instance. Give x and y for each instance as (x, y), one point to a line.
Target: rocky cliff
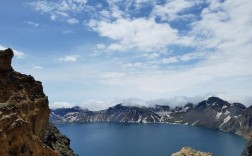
(24, 115)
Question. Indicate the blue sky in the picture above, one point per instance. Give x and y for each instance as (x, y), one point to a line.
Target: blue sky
(99, 53)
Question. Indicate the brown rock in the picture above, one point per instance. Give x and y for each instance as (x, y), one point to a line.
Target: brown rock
(187, 151)
(5, 60)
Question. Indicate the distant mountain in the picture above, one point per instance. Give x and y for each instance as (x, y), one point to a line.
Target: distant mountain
(212, 113)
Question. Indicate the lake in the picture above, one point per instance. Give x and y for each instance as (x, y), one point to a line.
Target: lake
(122, 139)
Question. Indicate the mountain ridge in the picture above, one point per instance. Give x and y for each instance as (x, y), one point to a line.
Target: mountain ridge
(214, 113)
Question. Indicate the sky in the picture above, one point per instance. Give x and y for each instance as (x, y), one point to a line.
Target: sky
(96, 54)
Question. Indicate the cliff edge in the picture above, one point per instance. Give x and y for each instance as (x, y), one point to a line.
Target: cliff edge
(24, 114)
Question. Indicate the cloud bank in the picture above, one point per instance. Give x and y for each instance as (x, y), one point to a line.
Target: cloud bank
(96, 105)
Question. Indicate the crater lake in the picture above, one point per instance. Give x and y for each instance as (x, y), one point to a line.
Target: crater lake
(127, 139)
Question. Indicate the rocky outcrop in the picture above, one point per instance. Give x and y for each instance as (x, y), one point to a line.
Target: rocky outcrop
(187, 151)
(24, 113)
(5, 60)
(57, 141)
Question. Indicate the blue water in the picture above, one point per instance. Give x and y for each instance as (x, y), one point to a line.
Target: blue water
(121, 139)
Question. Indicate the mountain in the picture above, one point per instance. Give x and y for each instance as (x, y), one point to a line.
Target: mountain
(212, 113)
(24, 114)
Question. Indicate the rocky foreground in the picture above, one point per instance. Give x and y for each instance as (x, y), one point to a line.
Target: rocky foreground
(187, 151)
(24, 114)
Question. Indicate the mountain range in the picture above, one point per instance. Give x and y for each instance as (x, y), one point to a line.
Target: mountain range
(214, 113)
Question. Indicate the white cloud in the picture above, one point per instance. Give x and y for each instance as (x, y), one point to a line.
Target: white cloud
(60, 16)
(38, 67)
(2, 47)
(112, 75)
(117, 47)
(184, 58)
(61, 104)
(96, 105)
(151, 55)
(67, 32)
(177, 100)
(192, 56)
(170, 60)
(72, 21)
(69, 58)
(224, 25)
(43, 6)
(140, 33)
(171, 9)
(81, 1)
(18, 54)
(100, 46)
(59, 5)
(143, 65)
(61, 10)
(33, 24)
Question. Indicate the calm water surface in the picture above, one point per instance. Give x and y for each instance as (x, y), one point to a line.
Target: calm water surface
(121, 139)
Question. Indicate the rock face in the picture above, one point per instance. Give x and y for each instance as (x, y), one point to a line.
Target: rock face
(248, 149)
(24, 113)
(57, 141)
(187, 151)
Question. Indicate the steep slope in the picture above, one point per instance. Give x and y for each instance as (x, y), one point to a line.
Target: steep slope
(24, 114)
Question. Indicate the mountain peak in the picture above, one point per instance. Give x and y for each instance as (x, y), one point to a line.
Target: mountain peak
(216, 101)
(118, 106)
